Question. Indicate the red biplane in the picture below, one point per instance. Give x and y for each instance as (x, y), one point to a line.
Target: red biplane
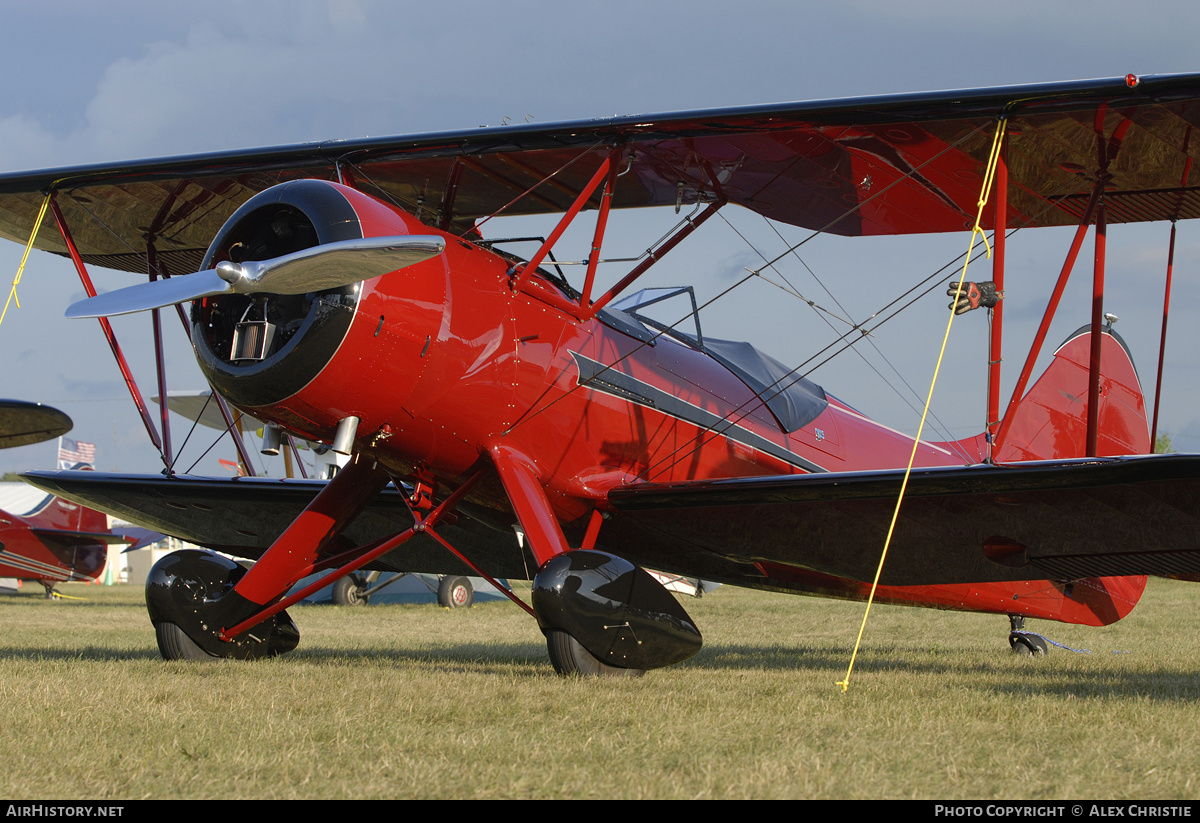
(343, 293)
(45, 538)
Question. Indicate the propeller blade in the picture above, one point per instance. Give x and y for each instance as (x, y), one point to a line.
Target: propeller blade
(329, 266)
(153, 294)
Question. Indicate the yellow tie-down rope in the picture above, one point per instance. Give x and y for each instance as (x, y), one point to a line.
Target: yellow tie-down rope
(12, 294)
(988, 177)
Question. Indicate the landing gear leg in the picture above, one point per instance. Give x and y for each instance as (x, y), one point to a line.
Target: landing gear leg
(1024, 642)
(197, 595)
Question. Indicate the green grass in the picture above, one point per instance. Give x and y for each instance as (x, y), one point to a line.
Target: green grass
(417, 701)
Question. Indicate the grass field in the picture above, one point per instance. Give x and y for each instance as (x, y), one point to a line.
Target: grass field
(418, 701)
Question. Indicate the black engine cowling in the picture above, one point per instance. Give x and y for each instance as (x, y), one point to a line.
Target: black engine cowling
(259, 349)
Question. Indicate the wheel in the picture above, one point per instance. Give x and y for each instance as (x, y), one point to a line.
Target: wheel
(1028, 643)
(173, 644)
(570, 658)
(348, 591)
(455, 592)
(190, 595)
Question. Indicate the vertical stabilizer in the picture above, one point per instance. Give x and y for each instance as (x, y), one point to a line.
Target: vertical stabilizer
(1050, 421)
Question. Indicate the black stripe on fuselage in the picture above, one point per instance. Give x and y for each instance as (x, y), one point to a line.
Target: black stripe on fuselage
(598, 377)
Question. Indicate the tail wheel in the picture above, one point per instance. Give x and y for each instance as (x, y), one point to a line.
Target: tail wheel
(349, 591)
(173, 644)
(1028, 644)
(569, 657)
(455, 592)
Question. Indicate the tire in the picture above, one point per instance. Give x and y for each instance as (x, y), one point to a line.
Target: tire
(569, 658)
(347, 591)
(173, 644)
(455, 592)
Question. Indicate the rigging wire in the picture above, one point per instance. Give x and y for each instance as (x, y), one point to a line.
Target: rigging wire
(227, 430)
(989, 177)
(739, 413)
(945, 430)
(821, 312)
(927, 285)
(195, 423)
(533, 411)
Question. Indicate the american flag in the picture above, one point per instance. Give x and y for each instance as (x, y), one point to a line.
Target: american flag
(72, 452)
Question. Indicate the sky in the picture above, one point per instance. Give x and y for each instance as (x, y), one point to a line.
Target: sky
(123, 80)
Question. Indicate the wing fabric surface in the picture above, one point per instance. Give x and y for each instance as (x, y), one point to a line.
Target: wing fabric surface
(242, 516)
(865, 166)
(1057, 520)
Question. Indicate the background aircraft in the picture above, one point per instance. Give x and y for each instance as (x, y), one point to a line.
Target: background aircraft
(44, 538)
(594, 425)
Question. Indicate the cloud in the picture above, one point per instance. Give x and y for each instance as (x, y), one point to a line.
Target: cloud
(26, 144)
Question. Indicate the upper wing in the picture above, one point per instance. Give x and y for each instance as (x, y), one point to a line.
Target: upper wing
(1057, 520)
(876, 165)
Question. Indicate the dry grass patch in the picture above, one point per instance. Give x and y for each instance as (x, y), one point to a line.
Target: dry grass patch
(417, 701)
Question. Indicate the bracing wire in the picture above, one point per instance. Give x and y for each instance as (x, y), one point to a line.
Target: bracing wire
(534, 410)
(989, 177)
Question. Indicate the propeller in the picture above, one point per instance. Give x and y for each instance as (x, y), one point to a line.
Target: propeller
(328, 266)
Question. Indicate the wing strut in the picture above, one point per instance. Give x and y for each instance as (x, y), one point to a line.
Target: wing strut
(130, 383)
(995, 347)
(1051, 308)
(160, 364)
(1100, 239)
(1162, 344)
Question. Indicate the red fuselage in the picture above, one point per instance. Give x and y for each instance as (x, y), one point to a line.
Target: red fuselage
(443, 360)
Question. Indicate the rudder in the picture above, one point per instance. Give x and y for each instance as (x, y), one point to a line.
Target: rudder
(1050, 421)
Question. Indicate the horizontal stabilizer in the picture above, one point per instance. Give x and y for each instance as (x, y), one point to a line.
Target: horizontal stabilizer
(70, 539)
(315, 269)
